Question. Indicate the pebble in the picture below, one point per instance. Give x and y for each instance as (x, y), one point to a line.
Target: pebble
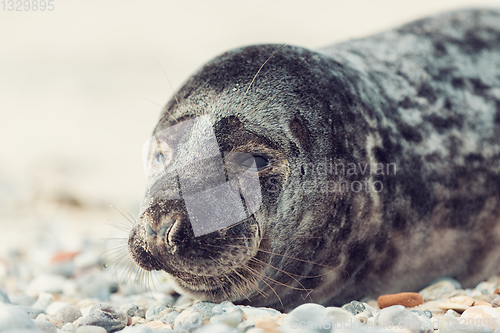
(12, 318)
(137, 329)
(496, 302)
(105, 316)
(153, 311)
(497, 291)
(440, 288)
(231, 318)
(4, 298)
(310, 317)
(188, 320)
(45, 326)
(90, 329)
(69, 328)
(397, 316)
(43, 301)
(483, 317)
(354, 307)
(46, 283)
(405, 299)
(168, 318)
(24, 300)
(129, 309)
(66, 314)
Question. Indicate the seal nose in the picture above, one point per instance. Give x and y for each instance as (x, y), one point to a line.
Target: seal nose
(179, 231)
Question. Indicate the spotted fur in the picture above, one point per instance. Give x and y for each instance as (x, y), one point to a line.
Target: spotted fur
(419, 105)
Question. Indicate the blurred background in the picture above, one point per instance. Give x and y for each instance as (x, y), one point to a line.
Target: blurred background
(81, 88)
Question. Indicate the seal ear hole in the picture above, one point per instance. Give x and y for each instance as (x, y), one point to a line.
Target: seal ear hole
(299, 131)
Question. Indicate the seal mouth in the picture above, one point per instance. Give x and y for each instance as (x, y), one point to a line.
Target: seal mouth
(222, 265)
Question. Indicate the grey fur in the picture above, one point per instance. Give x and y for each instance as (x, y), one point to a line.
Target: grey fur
(422, 103)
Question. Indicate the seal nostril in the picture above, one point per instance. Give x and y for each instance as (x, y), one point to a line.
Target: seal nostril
(163, 230)
(149, 231)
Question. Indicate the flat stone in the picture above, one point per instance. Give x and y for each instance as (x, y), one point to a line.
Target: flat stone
(453, 306)
(408, 300)
(464, 300)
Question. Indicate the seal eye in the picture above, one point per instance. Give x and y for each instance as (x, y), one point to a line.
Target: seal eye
(160, 158)
(254, 162)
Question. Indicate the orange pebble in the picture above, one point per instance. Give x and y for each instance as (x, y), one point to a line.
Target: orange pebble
(497, 291)
(63, 256)
(408, 300)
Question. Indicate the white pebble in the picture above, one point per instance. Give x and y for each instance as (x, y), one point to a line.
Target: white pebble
(69, 328)
(43, 301)
(12, 318)
(90, 329)
(46, 283)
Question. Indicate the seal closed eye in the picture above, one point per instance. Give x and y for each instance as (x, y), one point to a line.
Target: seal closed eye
(367, 167)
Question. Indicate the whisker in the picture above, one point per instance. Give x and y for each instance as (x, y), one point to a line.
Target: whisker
(308, 291)
(272, 289)
(255, 76)
(129, 218)
(171, 87)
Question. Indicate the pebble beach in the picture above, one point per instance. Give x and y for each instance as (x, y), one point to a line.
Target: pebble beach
(56, 277)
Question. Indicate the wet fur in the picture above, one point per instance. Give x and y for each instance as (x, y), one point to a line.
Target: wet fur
(424, 97)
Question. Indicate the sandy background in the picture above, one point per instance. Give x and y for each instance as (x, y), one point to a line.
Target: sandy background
(81, 88)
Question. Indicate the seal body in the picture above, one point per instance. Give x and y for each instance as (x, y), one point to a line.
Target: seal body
(380, 167)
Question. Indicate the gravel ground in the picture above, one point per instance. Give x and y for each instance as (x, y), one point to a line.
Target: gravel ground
(54, 277)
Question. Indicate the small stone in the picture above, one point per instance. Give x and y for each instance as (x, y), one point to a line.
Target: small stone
(46, 283)
(232, 318)
(105, 316)
(137, 329)
(30, 311)
(64, 315)
(12, 318)
(497, 291)
(339, 316)
(453, 306)
(129, 309)
(354, 307)
(268, 325)
(408, 300)
(155, 310)
(56, 306)
(479, 302)
(399, 316)
(218, 327)
(308, 316)
(206, 309)
(45, 326)
(137, 320)
(484, 316)
(252, 312)
(168, 318)
(4, 298)
(224, 307)
(90, 329)
(63, 257)
(43, 301)
(22, 300)
(188, 320)
(69, 328)
(439, 289)
(156, 325)
(464, 300)
(496, 302)
(140, 313)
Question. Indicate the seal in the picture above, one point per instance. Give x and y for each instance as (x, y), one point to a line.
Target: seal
(377, 162)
